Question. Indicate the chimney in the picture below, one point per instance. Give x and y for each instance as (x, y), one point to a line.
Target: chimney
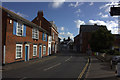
(40, 13)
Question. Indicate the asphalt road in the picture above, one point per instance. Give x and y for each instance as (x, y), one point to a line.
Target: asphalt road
(64, 65)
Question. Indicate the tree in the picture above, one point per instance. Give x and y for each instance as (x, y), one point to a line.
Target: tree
(64, 39)
(68, 38)
(101, 39)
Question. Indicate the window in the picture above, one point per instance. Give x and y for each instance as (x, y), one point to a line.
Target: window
(44, 50)
(19, 29)
(53, 35)
(10, 21)
(45, 37)
(34, 50)
(35, 34)
(18, 51)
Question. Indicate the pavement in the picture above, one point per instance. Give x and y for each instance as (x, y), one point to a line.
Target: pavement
(22, 64)
(99, 70)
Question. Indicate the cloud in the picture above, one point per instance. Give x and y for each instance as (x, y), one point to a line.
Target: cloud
(56, 4)
(107, 6)
(102, 15)
(91, 4)
(111, 25)
(78, 11)
(98, 22)
(78, 23)
(62, 28)
(76, 4)
(63, 35)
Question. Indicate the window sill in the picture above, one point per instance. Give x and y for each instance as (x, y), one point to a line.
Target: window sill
(34, 55)
(18, 58)
(35, 39)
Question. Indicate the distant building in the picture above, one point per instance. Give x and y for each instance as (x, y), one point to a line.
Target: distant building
(82, 39)
(67, 44)
(58, 47)
(77, 43)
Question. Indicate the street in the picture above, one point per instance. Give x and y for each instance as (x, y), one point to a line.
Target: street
(64, 65)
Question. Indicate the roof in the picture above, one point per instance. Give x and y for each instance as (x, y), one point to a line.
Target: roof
(90, 28)
(21, 19)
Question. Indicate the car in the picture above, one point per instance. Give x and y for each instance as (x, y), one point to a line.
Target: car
(115, 59)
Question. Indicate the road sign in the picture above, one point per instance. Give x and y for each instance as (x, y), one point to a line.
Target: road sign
(115, 11)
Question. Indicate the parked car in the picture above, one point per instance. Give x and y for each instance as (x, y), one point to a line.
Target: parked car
(115, 59)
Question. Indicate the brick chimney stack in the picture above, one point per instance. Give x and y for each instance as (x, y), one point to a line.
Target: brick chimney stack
(40, 13)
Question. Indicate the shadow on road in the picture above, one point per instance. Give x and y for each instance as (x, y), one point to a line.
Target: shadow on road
(70, 53)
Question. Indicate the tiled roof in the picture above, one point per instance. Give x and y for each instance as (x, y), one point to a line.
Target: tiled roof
(24, 21)
(90, 28)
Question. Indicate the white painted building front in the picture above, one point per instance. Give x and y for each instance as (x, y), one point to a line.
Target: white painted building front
(49, 44)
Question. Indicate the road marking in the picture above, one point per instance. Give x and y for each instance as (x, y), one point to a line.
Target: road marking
(83, 71)
(52, 67)
(88, 69)
(68, 59)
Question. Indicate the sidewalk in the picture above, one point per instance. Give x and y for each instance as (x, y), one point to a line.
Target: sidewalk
(99, 70)
(26, 63)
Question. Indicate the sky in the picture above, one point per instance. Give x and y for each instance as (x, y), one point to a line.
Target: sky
(68, 16)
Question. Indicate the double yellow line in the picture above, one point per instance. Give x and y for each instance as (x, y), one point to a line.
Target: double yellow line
(83, 71)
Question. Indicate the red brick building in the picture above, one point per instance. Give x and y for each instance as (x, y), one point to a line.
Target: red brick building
(82, 39)
(23, 40)
(51, 28)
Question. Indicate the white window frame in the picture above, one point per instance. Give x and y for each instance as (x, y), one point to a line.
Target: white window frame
(18, 28)
(10, 21)
(34, 54)
(35, 33)
(17, 51)
(44, 50)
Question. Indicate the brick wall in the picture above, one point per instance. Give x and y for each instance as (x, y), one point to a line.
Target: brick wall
(11, 41)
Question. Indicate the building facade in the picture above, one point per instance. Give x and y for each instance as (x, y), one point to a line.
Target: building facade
(54, 36)
(116, 44)
(51, 28)
(22, 40)
(82, 39)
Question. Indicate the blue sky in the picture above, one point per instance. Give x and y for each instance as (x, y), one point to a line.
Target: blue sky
(68, 16)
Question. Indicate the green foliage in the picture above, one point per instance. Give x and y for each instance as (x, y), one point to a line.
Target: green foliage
(101, 40)
(117, 52)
